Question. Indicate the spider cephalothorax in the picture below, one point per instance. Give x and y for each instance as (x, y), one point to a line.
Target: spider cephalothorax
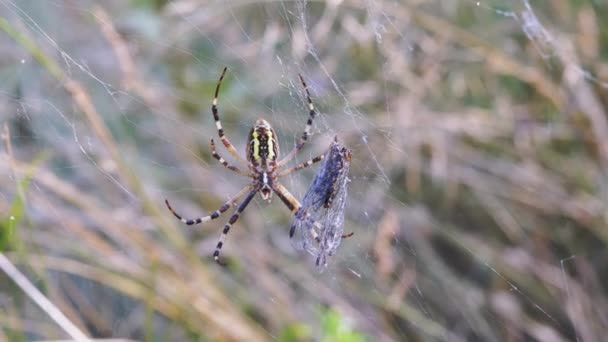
(262, 166)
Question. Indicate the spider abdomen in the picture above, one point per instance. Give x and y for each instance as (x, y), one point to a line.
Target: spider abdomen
(262, 145)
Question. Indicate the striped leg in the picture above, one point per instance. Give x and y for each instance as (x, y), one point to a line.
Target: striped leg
(218, 123)
(215, 214)
(311, 115)
(231, 221)
(301, 166)
(287, 198)
(225, 163)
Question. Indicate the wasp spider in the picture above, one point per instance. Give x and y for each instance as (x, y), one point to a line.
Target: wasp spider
(261, 165)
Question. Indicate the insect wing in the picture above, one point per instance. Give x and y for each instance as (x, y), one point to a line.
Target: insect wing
(319, 224)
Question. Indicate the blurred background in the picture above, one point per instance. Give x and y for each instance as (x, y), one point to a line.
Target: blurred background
(479, 176)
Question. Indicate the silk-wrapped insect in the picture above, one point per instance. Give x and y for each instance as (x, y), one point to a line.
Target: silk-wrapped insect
(319, 224)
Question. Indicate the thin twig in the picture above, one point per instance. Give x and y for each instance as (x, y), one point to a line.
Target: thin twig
(40, 299)
(131, 78)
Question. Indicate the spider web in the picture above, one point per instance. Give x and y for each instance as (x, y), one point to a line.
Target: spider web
(477, 183)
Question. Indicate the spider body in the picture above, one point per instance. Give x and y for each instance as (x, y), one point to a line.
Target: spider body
(262, 153)
(262, 148)
(263, 167)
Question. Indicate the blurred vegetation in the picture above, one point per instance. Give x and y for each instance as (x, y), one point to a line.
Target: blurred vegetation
(479, 186)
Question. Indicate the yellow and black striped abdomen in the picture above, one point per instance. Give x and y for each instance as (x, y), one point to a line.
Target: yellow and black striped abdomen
(262, 146)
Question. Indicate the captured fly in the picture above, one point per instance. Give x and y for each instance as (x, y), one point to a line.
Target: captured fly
(318, 225)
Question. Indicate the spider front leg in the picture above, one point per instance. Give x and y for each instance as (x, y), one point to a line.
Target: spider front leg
(218, 123)
(287, 198)
(225, 163)
(215, 214)
(311, 115)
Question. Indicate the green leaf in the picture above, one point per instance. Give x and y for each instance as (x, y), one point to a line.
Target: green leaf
(337, 329)
(296, 332)
(15, 214)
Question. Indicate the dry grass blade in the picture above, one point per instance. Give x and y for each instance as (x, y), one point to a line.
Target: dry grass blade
(40, 299)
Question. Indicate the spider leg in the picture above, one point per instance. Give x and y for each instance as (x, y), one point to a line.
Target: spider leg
(286, 197)
(300, 166)
(225, 163)
(311, 115)
(215, 214)
(218, 123)
(231, 221)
